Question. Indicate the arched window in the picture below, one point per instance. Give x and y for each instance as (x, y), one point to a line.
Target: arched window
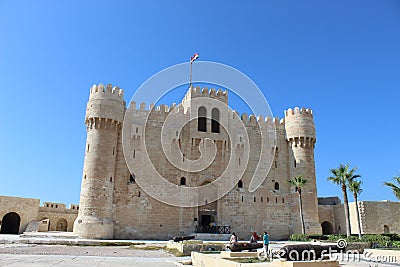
(132, 178)
(215, 120)
(276, 186)
(240, 184)
(202, 119)
(183, 181)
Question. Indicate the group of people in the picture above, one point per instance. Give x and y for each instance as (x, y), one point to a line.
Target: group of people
(254, 239)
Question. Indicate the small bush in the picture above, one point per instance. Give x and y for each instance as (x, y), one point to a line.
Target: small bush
(299, 237)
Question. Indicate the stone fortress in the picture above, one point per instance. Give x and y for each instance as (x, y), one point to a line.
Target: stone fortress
(113, 206)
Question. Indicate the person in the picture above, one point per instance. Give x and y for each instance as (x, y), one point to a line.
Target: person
(233, 239)
(265, 243)
(254, 238)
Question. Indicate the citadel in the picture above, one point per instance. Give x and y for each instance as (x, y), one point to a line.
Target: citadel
(114, 206)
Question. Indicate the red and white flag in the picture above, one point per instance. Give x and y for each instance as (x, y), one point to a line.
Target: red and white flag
(194, 57)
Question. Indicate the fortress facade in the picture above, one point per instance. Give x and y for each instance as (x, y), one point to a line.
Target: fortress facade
(112, 205)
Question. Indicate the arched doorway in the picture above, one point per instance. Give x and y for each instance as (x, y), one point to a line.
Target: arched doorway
(327, 228)
(10, 223)
(61, 225)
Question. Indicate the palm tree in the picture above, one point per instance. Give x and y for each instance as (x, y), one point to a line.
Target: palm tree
(395, 188)
(298, 182)
(341, 176)
(355, 188)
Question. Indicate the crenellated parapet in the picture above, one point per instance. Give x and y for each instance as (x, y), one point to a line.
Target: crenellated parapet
(300, 128)
(197, 91)
(98, 90)
(105, 108)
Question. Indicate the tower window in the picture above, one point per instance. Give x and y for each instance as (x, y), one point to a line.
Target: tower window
(242, 198)
(137, 130)
(276, 164)
(113, 151)
(295, 164)
(267, 199)
(262, 199)
(239, 161)
(276, 200)
(240, 184)
(254, 199)
(88, 147)
(283, 200)
(183, 181)
(132, 178)
(134, 153)
(110, 179)
(215, 120)
(276, 186)
(202, 119)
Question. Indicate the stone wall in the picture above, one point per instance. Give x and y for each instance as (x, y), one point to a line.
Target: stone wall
(26, 208)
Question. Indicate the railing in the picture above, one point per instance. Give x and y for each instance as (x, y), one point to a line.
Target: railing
(218, 229)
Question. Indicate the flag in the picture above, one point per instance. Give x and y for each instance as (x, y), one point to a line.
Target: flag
(194, 57)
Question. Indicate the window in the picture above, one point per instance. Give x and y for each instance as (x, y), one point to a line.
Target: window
(113, 151)
(132, 178)
(283, 200)
(183, 181)
(88, 147)
(276, 200)
(276, 186)
(276, 164)
(295, 164)
(262, 199)
(202, 119)
(240, 184)
(56, 206)
(254, 199)
(137, 129)
(267, 199)
(215, 120)
(110, 179)
(242, 198)
(239, 161)
(134, 153)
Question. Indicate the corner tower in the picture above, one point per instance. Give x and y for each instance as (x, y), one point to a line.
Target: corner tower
(300, 133)
(104, 116)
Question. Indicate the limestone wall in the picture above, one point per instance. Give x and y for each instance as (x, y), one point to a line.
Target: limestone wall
(137, 215)
(26, 208)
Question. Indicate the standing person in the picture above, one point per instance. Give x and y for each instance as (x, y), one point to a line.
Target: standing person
(233, 239)
(265, 243)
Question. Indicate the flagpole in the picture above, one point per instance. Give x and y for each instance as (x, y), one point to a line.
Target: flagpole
(190, 80)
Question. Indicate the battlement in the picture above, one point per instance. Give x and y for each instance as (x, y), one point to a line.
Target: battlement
(298, 111)
(197, 91)
(161, 109)
(109, 89)
(53, 205)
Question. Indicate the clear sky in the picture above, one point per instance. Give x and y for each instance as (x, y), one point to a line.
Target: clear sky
(341, 58)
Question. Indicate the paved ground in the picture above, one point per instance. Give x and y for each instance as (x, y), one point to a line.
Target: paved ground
(13, 260)
(15, 254)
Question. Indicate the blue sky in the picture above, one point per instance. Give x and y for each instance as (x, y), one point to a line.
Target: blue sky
(340, 58)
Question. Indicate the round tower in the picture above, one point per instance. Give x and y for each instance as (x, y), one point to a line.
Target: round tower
(104, 116)
(300, 133)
